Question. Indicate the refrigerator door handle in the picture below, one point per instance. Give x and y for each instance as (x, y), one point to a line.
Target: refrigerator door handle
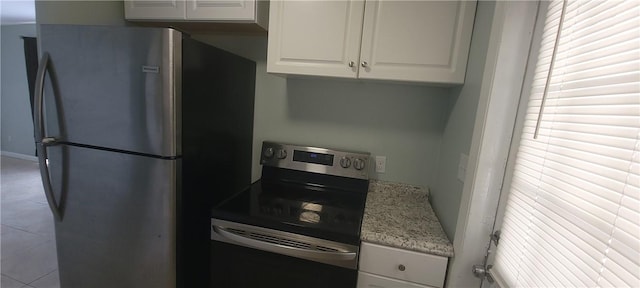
(41, 141)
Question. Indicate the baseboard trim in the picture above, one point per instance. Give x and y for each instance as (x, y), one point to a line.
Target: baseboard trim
(19, 156)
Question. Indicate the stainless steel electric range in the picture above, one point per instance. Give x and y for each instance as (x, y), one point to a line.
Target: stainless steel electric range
(298, 226)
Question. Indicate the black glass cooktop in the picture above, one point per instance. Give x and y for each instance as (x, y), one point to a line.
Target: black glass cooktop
(305, 209)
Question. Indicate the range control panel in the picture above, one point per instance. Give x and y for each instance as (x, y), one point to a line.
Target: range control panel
(315, 159)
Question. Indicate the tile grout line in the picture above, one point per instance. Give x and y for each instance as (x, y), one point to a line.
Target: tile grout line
(34, 198)
(23, 230)
(43, 276)
(5, 275)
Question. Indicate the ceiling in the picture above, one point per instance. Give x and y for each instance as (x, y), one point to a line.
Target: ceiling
(17, 12)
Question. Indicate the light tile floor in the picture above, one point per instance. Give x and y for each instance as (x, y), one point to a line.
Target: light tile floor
(27, 242)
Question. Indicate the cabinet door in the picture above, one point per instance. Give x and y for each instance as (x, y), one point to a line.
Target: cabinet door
(221, 10)
(315, 37)
(154, 10)
(403, 264)
(366, 280)
(426, 41)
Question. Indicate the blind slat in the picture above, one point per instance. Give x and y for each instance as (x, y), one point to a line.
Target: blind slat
(597, 21)
(602, 69)
(612, 79)
(618, 132)
(623, 88)
(611, 99)
(601, 26)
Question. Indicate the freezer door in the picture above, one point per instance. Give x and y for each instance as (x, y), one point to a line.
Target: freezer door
(118, 218)
(113, 87)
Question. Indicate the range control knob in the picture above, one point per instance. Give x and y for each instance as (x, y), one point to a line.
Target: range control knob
(268, 153)
(281, 154)
(345, 162)
(358, 164)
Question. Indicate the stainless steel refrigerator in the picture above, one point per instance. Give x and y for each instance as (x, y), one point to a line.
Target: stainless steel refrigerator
(139, 131)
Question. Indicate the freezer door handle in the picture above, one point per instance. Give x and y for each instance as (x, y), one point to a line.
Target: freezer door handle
(41, 141)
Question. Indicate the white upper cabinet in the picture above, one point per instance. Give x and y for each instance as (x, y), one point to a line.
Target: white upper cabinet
(221, 10)
(421, 41)
(239, 11)
(315, 37)
(153, 10)
(425, 41)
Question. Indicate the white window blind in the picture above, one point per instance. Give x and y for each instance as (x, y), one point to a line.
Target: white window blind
(572, 217)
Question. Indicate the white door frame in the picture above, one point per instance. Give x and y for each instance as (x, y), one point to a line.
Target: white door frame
(503, 76)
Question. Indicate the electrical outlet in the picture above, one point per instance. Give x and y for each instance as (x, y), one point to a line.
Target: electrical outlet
(381, 163)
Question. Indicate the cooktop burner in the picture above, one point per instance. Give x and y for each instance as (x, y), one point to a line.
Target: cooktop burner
(305, 211)
(304, 190)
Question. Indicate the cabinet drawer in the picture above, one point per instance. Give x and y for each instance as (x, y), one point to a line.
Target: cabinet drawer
(366, 280)
(401, 264)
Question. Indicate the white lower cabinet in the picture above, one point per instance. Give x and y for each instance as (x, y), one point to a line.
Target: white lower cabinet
(366, 280)
(383, 266)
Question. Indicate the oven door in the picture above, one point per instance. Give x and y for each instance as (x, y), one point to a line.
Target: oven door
(249, 256)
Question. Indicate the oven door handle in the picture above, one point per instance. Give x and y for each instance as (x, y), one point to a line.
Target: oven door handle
(283, 249)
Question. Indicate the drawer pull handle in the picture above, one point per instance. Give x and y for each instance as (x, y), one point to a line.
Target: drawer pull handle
(401, 267)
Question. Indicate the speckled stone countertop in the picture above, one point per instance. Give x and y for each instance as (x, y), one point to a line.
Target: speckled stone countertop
(399, 215)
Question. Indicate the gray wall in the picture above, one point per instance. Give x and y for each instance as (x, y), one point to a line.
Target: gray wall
(404, 122)
(80, 12)
(459, 129)
(17, 125)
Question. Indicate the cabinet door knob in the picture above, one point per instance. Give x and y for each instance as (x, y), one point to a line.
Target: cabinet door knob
(351, 63)
(401, 267)
(364, 64)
